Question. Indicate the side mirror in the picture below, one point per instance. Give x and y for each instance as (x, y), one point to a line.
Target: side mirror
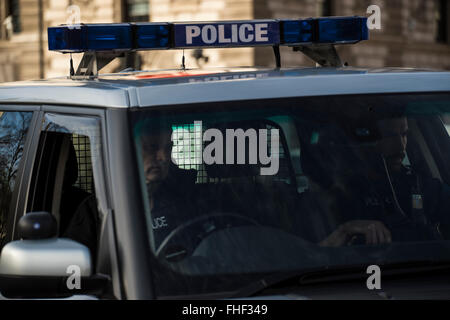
(41, 265)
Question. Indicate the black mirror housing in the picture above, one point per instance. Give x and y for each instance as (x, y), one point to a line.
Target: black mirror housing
(37, 225)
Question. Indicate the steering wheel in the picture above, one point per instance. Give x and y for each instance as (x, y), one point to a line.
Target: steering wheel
(183, 240)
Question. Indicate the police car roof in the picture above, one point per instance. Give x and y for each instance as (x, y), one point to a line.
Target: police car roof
(170, 87)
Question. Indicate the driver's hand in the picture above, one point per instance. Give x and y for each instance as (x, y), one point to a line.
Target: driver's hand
(374, 231)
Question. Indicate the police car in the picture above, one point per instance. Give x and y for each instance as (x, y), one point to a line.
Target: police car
(225, 183)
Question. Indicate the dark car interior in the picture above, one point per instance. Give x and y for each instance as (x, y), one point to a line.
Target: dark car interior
(54, 186)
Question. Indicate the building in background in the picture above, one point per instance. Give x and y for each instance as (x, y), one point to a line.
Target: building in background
(414, 33)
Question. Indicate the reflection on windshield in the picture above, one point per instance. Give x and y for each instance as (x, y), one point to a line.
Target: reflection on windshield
(351, 173)
(13, 130)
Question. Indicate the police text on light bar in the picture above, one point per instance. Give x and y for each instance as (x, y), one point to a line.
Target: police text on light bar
(227, 34)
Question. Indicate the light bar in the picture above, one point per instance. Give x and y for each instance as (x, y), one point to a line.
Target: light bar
(109, 37)
(248, 33)
(298, 31)
(336, 30)
(98, 37)
(151, 35)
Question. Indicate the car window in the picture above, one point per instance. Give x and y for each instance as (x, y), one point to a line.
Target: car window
(65, 178)
(250, 187)
(13, 131)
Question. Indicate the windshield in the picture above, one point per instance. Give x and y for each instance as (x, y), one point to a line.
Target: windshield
(236, 190)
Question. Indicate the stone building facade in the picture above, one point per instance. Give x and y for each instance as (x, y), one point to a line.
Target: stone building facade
(414, 33)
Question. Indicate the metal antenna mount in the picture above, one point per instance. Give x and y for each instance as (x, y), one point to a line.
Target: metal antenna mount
(323, 54)
(183, 62)
(276, 51)
(92, 62)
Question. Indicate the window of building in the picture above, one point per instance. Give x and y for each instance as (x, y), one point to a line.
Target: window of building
(9, 18)
(13, 11)
(442, 13)
(136, 10)
(327, 8)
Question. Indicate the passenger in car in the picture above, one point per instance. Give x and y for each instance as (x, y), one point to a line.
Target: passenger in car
(388, 201)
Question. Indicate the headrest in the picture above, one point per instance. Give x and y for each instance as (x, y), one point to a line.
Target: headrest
(319, 154)
(328, 153)
(181, 176)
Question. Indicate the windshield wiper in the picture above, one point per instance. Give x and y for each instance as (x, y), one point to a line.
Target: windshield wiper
(327, 274)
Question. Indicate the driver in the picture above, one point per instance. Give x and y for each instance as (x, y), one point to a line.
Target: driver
(170, 190)
(389, 201)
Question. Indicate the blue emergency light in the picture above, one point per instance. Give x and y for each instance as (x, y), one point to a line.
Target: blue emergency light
(150, 36)
(107, 37)
(336, 30)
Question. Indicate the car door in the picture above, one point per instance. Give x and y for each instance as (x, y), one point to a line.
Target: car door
(67, 180)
